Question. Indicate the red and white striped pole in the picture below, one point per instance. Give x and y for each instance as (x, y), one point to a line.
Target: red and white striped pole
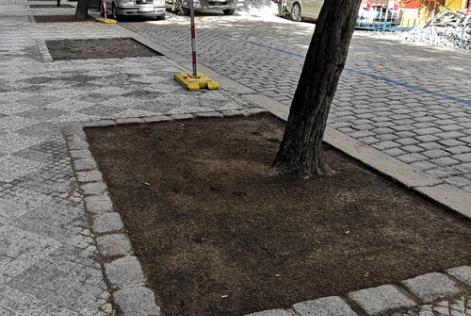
(193, 39)
(105, 14)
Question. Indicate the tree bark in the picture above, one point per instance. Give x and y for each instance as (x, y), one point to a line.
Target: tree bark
(300, 150)
(81, 12)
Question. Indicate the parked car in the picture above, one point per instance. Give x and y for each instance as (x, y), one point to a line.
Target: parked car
(182, 7)
(116, 9)
(379, 13)
(371, 11)
(300, 9)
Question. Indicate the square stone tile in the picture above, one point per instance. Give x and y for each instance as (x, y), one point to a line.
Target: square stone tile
(14, 95)
(12, 168)
(101, 111)
(123, 102)
(381, 299)
(431, 286)
(11, 143)
(42, 114)
(12, 107)
(24, 248)
(69, 105)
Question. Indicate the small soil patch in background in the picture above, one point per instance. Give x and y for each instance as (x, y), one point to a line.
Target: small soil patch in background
(49, 6)
(207, 220)
(59, 18)
(98, 48)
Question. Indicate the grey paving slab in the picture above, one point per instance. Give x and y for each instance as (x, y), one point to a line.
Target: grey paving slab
(271, 312)
(114, 245)
(327, 306)
(125, 272)
(136, 301)
(381, 299)
(431, 286)
(461, 273)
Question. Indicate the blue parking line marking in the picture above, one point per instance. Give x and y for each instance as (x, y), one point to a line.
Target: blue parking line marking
(409, 86)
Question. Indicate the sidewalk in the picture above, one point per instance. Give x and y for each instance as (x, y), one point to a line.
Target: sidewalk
(48, 256)
(49, 263)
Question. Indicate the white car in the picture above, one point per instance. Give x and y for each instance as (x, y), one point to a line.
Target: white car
(182, 7)
(146, 8)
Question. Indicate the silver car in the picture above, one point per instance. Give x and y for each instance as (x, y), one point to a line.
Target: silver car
(182, 7)
(145, 8)
(300, 9)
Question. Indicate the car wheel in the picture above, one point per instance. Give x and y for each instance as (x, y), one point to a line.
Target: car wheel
(228, 12)
(296, 13)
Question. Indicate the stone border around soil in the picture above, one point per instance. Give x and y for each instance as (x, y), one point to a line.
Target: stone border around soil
(122, 270)
(387, 299)
(128, 285)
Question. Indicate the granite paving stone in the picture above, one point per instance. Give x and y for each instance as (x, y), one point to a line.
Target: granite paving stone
(328, 306)
(381, 299)
(124, 272)
(107, 222)
(431, 286)
(461, 273)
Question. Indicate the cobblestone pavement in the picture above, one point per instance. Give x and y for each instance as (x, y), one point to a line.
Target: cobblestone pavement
(48, 257)
(411, 102)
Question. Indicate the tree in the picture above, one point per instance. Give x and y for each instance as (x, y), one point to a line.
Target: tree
(81, 12)
(300, 150)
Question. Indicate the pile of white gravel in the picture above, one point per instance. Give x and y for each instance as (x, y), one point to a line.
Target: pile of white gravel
(448, 29)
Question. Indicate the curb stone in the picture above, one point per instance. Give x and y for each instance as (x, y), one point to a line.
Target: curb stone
(98, 203)
(431, 286)
(89, 176)
(328, 306)
(114, 245)
(107, 223)
(461, 273)
(381, 299)
(124, 272)
(138, 301)
(272, 312)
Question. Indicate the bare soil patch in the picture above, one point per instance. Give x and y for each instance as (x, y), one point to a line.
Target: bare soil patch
(206, 219)
(98, 48)
(59, 18)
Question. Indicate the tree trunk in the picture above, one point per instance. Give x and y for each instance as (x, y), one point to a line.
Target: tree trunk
(81, 12)
(300, 151)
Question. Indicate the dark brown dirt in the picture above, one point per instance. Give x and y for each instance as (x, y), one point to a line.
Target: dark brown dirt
(206, 219)
(59, 18)
(98, 48)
